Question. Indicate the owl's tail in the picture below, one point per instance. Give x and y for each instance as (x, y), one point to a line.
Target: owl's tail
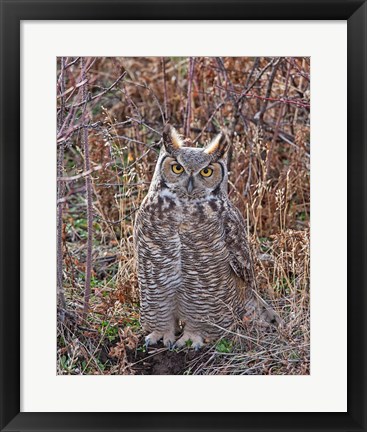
(258, 309)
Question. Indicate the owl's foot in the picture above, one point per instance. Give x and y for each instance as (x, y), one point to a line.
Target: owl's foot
(156, 336)
(152, 338)
(169, 339)
(197, 341)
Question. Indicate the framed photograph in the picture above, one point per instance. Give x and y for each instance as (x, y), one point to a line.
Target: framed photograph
(182, 215)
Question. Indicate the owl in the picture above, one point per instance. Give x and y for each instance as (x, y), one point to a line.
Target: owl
(194, 266)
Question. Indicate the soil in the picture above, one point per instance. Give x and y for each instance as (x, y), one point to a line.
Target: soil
(161, 362)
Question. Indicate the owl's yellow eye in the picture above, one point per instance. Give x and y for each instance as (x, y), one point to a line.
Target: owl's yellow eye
(177, 169)
(206, 172)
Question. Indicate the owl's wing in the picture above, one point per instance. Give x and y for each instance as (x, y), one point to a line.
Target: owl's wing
(241, 264)
(237, 246)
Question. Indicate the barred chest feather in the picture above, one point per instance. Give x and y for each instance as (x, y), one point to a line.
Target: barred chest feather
(194, 233)
(166, 207)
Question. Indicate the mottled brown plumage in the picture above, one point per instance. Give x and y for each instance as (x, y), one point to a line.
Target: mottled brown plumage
(193, 259)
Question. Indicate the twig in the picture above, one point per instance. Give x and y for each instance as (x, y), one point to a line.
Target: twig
(143, 124)
(268, 91)
(88, 185)
(77, 128)
(100, 167)
(70, 89)
(216, 109)
(117, 221)
(145, 86)
(83, 174)
(240, 97)
(97, 96)
(66, 121)
(236, 104)
(188, 106)
(88, 67)
(294, 64)
(72, 62)
(60, 195)
(165, 87)
(231, 96)
(126, 138)
(259, 75)
(240, 104)
(276, 130)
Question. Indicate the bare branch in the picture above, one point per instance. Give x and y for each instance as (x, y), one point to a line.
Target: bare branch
(276, 131)
(99, 95)
(268, 90)
(60, 195)
(88, 185)
(163, 61)
(188, 106)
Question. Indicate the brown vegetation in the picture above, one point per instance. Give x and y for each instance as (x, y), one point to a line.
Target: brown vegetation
(111, 113)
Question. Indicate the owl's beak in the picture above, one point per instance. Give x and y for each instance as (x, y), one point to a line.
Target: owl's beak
(190, 184)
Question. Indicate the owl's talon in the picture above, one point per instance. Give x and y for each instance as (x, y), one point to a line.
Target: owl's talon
(152, 338)
(196, 341)
(197, 344)
(169, 340)
(170, 345)
(146, 344)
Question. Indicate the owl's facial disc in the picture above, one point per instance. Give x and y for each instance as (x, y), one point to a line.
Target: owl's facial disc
(191, 174)
(189, 171)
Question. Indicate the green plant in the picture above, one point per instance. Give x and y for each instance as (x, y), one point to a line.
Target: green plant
(223, 346)
(108, 330)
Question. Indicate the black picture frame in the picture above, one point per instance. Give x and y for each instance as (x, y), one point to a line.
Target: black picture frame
(12, 12)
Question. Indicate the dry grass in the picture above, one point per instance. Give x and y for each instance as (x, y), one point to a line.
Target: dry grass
(262, 104)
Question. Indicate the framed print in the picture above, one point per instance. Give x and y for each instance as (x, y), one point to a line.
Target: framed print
(182, 215)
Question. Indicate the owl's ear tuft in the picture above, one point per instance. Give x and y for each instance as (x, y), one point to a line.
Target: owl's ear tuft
(172, 140)
(217, 147)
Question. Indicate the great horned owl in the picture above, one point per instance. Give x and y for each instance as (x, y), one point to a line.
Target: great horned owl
(193, 259)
